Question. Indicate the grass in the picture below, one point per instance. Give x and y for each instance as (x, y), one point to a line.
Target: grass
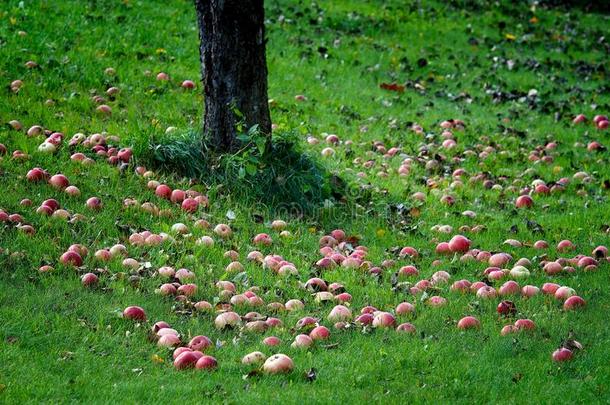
(63, 343)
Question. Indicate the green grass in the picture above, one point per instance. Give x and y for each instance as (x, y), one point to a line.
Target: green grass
(60, 342)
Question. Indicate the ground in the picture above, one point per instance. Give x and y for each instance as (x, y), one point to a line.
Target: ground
(516, 75)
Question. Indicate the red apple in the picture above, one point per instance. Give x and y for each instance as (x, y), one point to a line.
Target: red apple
(177, 196)
(206, 363)
(59, 181)
(573, 302)
(188, 84)
(36, 174)
(506, 308)
(459, 244)
(319, 333)
(525, 324)
(134, 313)
(89, 279)
(94, 203)
(71, 258)
(186, 359)
(468, 322)
(190, 205)
(562, 354)
(384, 320)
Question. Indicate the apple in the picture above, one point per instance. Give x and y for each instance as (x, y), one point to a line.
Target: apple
(104, 109)
(406, 328)
(339, 313)
(573, 302)
(190, 205)
(71, 258)
(278, 364)
(223, 230)
(529, 291)
(294, 305)
(437, 301)
(186, 359)
(525, 324)
(89, 280)
(579, 119)
(262, 239)
(461, 285)
(94, 203)
(72, 191)
(169, 340)
(177, 196)
(519, 272)
(163, 191)
(408, 271)
(499, 259)
(271, 341)
(486, 292)
(468, 322)
(443, 248)
(188, 84)
(364, 319)
(562, 354)
(459, 244)
(550, 288)
(319, 333)
(206, 363)
(227, 320)
(125, 154)
(36, 174)
(384, 320)
(563, 293)
(254, 358)
(524, 201)
(509, 288)
(134, 313)
(565, 245)
(506, 308)
(59, 181)
(552, 268)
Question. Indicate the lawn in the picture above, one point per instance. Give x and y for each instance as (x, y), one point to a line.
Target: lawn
(373, 73)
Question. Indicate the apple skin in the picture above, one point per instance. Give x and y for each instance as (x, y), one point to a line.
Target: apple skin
(562, 354)
(384, 320)
(71, 258)
(186, 359)
(468, 322)
(206, 363)
(89, 280)
(574, 302)
(253, 358)
(319, 333)
(506, 308)
(163, 191)
(406, 328)
(278, 364)
(459, 244)
(525, 324)
(524, 201)
(134, 313)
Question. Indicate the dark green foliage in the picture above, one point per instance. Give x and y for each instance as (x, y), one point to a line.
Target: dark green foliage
(279, 175)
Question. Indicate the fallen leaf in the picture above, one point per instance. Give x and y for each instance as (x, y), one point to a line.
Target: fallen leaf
(392, 87)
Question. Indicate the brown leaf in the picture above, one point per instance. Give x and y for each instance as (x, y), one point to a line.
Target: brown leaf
(392, 87)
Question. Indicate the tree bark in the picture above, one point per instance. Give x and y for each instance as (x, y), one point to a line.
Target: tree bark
(234, 69)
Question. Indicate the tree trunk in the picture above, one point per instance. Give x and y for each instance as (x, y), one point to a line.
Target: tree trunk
(234, 69)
